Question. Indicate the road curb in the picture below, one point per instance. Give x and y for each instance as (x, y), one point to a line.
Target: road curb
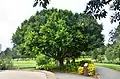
(97, 76)
(49, 75)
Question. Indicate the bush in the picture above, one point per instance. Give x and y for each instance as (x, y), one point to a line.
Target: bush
(84, 61)
(6, 64)
(101, 58)
(80, 70)
(91, 69)
(70, 68)
(48, 67)
(117, 62)
(42, 60)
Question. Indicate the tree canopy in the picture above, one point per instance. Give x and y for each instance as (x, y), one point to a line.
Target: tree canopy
(115, 34)
(95, 8)
(58, 34)
(42, 3)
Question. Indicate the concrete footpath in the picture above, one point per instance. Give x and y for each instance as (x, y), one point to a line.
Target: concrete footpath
(14, 74)
(18, 74)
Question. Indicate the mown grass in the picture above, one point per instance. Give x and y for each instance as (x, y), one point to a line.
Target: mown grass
(111, 66)
(31, 64)
(86, 58)
(26, 65)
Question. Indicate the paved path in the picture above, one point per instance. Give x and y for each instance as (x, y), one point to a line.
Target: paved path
(14, 74)
(10, 74)
(70, 76)
(106, 73)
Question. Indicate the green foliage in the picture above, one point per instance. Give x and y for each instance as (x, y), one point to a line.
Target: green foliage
(98, 53)
(81, 70)
(83, 54)
(48, 67)
(42, 3)
(58, 34)
(91, 69)
(94, 54)
(96, 9)
(115, 34)
(84, 61)
(6, 60)
(6, 63)
(71, 68)
(113, 52)
(101, 58)
(42, 60)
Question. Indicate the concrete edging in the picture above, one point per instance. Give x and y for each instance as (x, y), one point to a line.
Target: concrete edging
(49, 75)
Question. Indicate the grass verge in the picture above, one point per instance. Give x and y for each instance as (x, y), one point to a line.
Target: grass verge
(25, 65)
(111, 66)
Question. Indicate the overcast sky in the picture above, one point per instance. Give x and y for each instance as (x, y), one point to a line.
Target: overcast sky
(13, 12)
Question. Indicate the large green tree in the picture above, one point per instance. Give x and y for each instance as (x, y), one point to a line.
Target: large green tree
(59, 34)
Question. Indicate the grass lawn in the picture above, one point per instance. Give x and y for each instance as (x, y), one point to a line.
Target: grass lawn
(111, 66)
(28, 65)
(79, 59)
(31, 64)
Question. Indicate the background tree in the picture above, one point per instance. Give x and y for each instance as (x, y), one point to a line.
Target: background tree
(110, 53)
(115, 35)
(94, 54)
(58, 34)
(117, 50)
(115, 40)
(42, 3)
(97, 9)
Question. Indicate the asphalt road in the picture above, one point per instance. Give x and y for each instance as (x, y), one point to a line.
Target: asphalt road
(70, 76)
(106, 73)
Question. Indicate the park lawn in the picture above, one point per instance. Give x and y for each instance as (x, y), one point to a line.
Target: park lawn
(79, 59)
(27, 65)
(31, 64)
(111, 66)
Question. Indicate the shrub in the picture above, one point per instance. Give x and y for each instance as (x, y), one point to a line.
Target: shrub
(6, 64)
(117, 62)
(48, 67)
(70, 68)
(100, 58)
(84, 61)
(42, 60)
(91, 69)
(80, 70)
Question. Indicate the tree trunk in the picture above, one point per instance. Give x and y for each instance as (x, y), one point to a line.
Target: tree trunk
(61, 62)
(73, 60)
(68, 61)
(119, 57)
